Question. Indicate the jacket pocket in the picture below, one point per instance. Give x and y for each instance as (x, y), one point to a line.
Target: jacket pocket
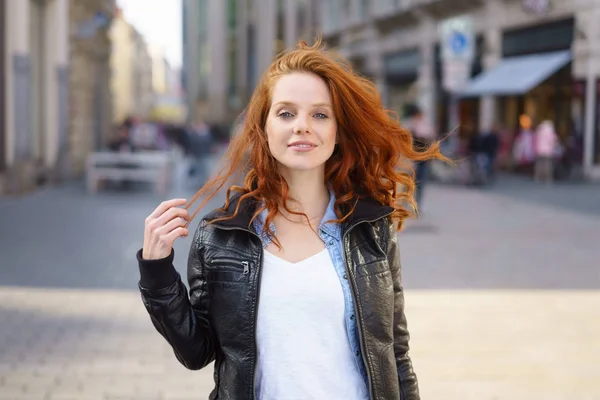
(228, 269)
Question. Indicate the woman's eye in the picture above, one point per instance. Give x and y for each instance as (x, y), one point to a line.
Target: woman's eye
(320, 115)
(285, 114)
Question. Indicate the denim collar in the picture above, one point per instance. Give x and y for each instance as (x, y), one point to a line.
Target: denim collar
(327, 224)
(365, 209)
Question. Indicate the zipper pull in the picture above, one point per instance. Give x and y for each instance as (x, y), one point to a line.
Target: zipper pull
(246, 267)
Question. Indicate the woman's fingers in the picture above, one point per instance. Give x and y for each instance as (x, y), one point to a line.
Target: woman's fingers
(166, 205)
(174, 234)
(165, 224)
(171, 225)
(168, 215)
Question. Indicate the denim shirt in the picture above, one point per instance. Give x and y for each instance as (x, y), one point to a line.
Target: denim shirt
(331, 234)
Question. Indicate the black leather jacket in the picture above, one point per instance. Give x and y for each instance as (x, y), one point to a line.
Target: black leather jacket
(217, 321)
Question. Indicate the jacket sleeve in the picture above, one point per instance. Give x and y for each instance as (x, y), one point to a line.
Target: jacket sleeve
(407, 380)
(183, 321)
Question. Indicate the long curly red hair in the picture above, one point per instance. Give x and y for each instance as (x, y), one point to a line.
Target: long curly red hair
(372, 159)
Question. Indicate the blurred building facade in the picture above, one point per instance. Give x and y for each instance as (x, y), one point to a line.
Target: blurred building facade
(143, 94)
(167, 104)
(131, 64)
(90, 98)
(546, 51)
(160, 70)
(228, 44)
(33, 91)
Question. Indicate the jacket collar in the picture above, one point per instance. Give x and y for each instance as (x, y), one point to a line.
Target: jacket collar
(367, 209)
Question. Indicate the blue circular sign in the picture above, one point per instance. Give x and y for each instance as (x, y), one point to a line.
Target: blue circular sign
(459, 42)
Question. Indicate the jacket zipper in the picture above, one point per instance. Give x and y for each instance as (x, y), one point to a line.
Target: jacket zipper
(228, 261)
(352, 284)
(359, 318)
(257, 296)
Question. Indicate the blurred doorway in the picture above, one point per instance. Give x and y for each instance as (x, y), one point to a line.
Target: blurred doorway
(2, 85)
(37, 30)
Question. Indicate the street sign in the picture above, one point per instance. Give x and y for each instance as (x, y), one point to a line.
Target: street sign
(456, 73)
(457, 40)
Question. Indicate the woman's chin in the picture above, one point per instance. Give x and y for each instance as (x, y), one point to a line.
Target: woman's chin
(302, 166)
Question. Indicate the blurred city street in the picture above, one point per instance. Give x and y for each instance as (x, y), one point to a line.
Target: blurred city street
(501, 272)
(502, 291)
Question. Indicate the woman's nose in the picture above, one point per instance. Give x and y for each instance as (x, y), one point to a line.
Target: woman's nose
(302, 126)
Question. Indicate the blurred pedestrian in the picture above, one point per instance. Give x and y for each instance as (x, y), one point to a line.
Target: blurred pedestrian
(524, 144)
(312, 232)
(200, 144)
(423, 136)
(122, 141)
(144, 135)
(483, 149)
(546, 147)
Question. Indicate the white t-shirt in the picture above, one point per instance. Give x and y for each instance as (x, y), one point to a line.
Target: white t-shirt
(303, 347)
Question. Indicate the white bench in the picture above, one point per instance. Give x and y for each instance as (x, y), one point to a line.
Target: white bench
(146, 166)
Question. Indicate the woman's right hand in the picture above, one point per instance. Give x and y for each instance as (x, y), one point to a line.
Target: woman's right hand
(166, 223)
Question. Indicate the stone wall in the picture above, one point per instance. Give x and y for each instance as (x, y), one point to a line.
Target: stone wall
(90, 100)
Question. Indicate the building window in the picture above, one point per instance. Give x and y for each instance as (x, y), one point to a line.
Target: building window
(203, 69)
(346, 8)
(332, 10)
(232, 14)
(280, 27)
(203, 20)
(232, 63)
(301, 19)
(363, 9)
(553, 36)
(232, 18)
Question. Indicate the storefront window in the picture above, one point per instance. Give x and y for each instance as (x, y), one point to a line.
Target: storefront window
(551, 100)
(401, 72)
(468, 110)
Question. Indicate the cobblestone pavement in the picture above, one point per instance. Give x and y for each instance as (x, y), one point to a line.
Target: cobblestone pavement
(502, 292)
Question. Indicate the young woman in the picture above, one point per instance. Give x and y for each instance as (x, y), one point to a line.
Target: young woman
(294, 284)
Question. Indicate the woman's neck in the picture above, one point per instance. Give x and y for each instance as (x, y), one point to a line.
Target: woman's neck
(310, 194)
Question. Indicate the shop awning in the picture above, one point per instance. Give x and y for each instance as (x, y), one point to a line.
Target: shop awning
(517, 75)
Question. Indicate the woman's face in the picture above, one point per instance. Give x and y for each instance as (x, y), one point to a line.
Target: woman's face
(301, 127)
